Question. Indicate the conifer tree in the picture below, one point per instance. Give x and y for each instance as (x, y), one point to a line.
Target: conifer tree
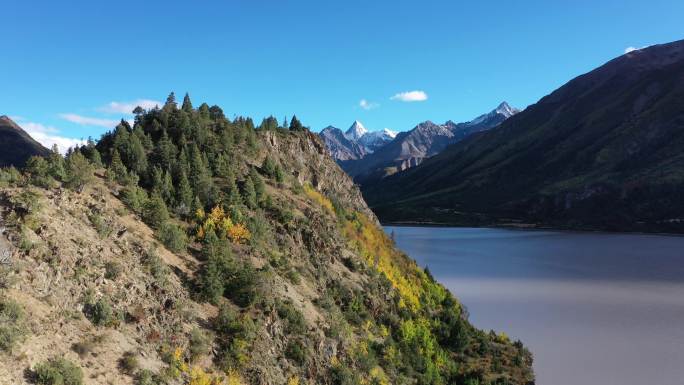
(117, 167)
(56, 164)
(79, 171)
(259, 186)
(295, 124)
(136, 155)
(249, 195)
(187, 104)
(155, 212)
(184, 194)
(170, 104)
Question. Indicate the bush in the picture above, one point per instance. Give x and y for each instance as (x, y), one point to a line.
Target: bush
(99, 313)
(199, 344)
(234, 335)
(58, 371)
(112, 270)
(173, 237)
(129, 363)
(296, 352)
(157, 268)
(295, 319)
(103, 228)
(12, 326)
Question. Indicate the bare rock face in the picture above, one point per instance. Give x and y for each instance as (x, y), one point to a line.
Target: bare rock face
(312, 164)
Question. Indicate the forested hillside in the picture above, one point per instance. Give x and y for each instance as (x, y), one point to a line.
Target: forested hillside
(196, 249)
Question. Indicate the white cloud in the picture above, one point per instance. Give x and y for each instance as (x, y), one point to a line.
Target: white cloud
(47, 135)
(410, 96)
(87, 121)
(128, 107)
(366, 105)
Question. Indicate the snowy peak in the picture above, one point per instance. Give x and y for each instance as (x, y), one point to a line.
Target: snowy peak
(502, 112)
(389, 133)
(506, 110)
(356, 131)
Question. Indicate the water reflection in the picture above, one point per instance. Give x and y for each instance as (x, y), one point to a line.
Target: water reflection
(593, 308)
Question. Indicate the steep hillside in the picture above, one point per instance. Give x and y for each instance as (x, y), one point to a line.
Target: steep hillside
(16, 146)
(409, 149)
(604, 151)
(206, 251)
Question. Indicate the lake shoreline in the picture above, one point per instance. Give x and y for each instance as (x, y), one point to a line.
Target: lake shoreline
(524, 227)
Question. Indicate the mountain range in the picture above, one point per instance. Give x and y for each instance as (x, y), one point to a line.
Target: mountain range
(16, 145)
(604, 151)
(356, 142)
(410, 148)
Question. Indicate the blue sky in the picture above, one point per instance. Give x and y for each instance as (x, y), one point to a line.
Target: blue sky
(70, 69)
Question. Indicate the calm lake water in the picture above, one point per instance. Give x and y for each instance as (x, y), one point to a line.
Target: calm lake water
(593, 308)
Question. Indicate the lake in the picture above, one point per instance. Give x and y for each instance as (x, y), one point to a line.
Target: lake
(594, 308)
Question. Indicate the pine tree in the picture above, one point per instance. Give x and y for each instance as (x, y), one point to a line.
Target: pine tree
(170, 104)
(155, 212)
(259, 186)
(184, 194)
(56, 164)
(187, 104)
(295, 124)
(249, 195)
(165, 152)
(79, 171)
(136, 156)
(117, 167)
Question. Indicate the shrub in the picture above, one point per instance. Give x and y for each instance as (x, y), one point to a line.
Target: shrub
(296, 352)
(234, 334)
(129, 363)
(58, 371)
(293, 276)
(12, 324)
(112, 270)
(99, 313)
(103, 228)
(199, 344)
(157, 268)
(83, 348)
(173, 237)
(146, 377)
(295, 319)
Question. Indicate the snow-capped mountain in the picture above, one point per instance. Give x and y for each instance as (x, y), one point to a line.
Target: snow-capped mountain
(339, 146)
(373, 140)
(409, 149)
(356, 131)
(356, 142)
(502, 112)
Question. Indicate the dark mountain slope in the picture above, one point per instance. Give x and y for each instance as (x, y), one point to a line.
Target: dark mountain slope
(16, 146)
(603, 151)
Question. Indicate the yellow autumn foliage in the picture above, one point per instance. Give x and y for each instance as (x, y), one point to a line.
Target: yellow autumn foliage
(219, 222)
(319, 198)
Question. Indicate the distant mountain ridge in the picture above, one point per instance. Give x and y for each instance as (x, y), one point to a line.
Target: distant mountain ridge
(16, 146)
(356, 142)
(410, 148)
(604, 151)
